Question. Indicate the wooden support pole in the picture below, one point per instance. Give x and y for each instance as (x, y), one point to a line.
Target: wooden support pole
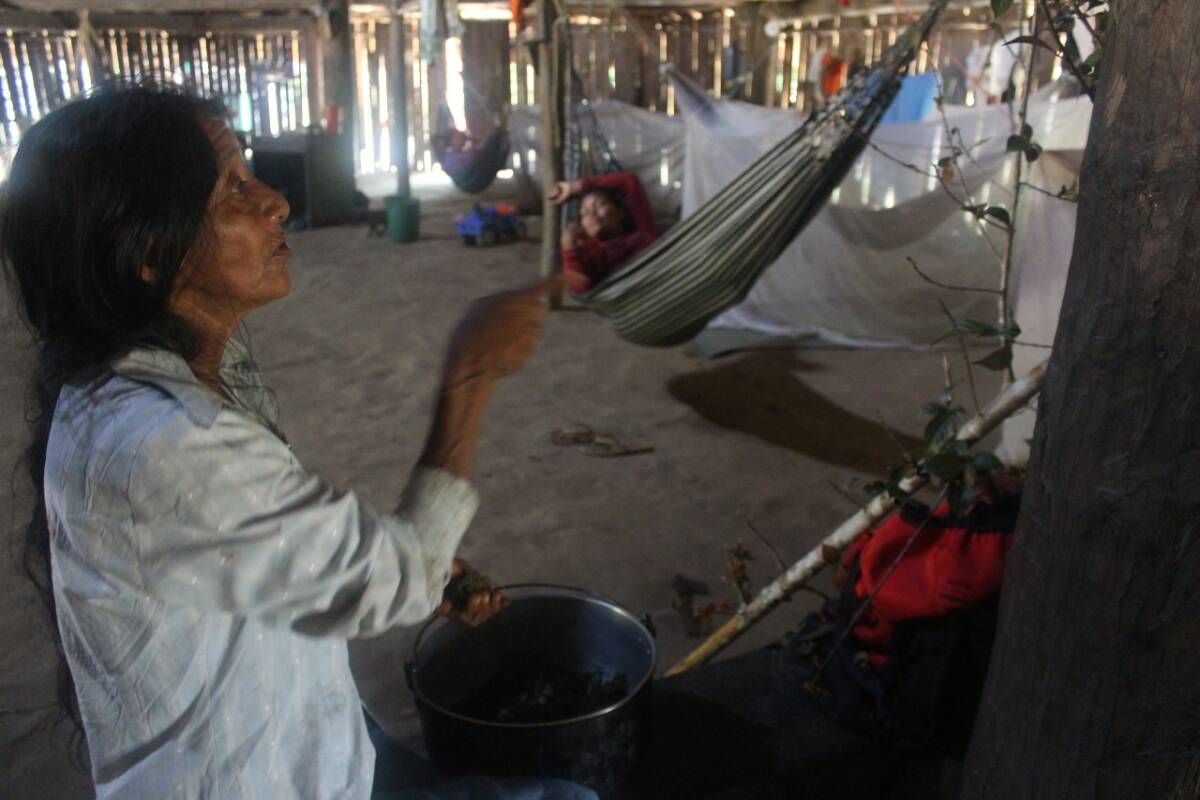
(87, 47)
(314, 63)
(1008, 402)
(398, 106)
(338, 69)
(549, 77)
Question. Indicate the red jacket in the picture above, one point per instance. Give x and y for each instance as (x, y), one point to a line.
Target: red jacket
(947, 568)
(588, 263)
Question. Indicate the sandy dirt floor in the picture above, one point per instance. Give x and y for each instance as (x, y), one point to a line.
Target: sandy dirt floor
(769, 439)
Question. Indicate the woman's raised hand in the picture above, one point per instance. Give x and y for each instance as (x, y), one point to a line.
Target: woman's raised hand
(561, 193)
(495, 337)
(475, 607)
(499, 332)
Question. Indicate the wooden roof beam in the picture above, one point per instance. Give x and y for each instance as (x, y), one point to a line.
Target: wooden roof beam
(200, 23)
(174, 23)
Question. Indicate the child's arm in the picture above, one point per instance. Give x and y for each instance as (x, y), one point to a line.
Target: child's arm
(582, 256)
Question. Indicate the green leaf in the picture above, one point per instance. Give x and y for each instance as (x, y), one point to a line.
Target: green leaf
(972, 327)
(1027, 131)
(1000, 6)
(945, 161)
(998, 360)
(942, 427)
(945, 466)
(1014, 330)
(1092, 63)
(939, 429)
(986, 462)
(876, 488)
(999, 213)
(1033, 40)
(932, 409)
(1016, 143)
(1033, 152)
(961, 496)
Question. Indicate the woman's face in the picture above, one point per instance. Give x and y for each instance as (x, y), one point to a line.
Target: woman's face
(600, 217)
(241, 261)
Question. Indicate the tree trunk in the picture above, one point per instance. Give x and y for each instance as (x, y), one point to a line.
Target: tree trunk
(1093, 688)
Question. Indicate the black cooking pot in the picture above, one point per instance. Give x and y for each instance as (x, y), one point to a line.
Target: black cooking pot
(545, 628)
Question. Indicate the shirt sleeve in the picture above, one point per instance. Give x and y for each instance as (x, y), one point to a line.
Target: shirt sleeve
(584, 264)
(630, 187)
(225, 518)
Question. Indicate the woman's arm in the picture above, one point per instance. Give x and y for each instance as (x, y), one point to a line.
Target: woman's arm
(494, 339)
(579, 254)
(564, 191)
(221, 516)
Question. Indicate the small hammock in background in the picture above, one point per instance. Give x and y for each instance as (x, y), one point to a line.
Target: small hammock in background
(708, 262)
(472, 168)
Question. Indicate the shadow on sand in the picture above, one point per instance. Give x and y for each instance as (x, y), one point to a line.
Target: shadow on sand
(761, 394)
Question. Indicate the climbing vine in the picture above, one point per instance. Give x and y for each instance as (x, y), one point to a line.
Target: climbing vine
(945, 460)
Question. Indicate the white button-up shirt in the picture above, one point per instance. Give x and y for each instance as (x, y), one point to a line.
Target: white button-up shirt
(206, 584)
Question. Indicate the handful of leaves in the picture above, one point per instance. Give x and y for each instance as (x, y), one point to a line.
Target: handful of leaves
(463, 586)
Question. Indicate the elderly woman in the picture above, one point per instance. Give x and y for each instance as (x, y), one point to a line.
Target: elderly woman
(205, 583)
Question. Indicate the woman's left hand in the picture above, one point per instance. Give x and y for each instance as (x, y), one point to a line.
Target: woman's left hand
(572, 236)
(479, 607)
(560, 194)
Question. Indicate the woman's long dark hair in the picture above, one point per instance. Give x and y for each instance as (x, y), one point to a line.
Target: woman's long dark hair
(106, 196)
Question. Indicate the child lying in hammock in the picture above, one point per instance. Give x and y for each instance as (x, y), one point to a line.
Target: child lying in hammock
(615, 224)
(455, 149)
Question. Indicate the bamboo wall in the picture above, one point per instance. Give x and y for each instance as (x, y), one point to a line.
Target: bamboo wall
(728, 53)
(39, 70)
(264, 77)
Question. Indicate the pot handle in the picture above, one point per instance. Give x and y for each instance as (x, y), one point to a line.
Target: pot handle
(410, 670)
(648, 622)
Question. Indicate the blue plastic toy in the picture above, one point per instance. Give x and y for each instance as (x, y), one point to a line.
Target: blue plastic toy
(487, 225)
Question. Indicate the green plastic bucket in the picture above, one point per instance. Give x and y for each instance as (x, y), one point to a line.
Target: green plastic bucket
(403, 218)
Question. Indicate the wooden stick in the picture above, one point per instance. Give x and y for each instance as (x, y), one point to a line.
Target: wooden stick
(1008, 402)
(398, 102)
(550, 77)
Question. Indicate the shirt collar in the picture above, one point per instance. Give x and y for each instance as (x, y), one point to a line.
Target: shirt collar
(168, 371)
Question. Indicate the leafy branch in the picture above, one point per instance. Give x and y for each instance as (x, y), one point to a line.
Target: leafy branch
(1068, 194)
(947, 460)
(994, 216)
(951, 287)
(1060, 17)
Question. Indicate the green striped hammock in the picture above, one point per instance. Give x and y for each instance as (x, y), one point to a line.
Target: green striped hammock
(708, 262)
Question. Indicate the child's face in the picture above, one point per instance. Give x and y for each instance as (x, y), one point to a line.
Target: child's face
(600, 217)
